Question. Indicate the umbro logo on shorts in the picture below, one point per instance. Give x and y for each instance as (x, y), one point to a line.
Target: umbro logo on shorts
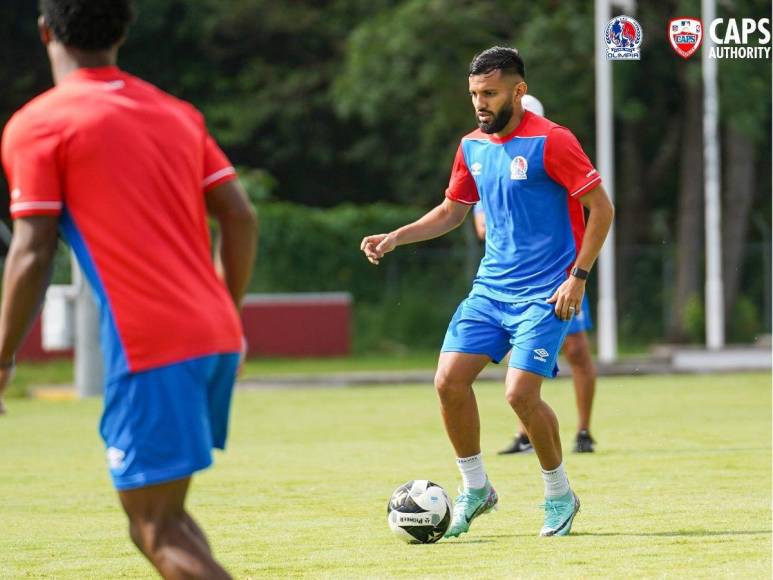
(541, 354)
(115, 457)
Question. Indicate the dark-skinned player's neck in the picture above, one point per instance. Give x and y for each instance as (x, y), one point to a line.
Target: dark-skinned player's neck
(65, 59)
(514, 121)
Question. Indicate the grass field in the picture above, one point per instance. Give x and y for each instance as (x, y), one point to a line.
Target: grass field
(58, 372)
(680, 486)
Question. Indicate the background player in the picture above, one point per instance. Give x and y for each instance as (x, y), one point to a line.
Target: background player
(576, 347)
(128, 173)
(528, 173)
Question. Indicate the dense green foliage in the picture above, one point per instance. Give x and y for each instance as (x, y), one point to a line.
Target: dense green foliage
(407, 300)
(350, 102)
(302, 490)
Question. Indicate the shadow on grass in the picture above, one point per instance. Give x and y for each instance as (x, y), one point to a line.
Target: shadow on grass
(484, 540)
(679, 533)
(671, 451)
(671, 534)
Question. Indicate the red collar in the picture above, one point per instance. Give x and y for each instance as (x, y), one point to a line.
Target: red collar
(99, 73)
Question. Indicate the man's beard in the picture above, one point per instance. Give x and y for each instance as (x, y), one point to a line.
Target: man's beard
(499, 121)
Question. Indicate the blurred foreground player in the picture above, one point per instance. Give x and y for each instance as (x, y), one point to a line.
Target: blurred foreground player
(532, 179)
(128, 174)
(576, 348)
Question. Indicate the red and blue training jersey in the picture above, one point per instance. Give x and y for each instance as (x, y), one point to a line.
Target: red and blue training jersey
(126, 167)
(528, 184)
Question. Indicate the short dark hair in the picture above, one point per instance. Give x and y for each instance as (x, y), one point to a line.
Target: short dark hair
(88, 24)
(498, 58)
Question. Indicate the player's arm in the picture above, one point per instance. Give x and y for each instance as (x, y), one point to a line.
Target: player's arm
(27, 272)
(436, 222)
(602, 212)
(480, 224)
(237, 246)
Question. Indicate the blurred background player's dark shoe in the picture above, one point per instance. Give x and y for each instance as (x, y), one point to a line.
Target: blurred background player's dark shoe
(520, 444)
(584, 442)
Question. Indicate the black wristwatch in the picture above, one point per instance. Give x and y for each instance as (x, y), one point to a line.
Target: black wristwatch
(578, 272)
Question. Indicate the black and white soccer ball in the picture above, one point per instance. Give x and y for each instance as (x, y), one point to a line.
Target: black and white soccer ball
(419, 512)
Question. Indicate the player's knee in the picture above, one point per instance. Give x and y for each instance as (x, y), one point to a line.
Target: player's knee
(150, 532)
(521, 400)
(449, 388)
(145, 534)
(576, 352)
(135, 533)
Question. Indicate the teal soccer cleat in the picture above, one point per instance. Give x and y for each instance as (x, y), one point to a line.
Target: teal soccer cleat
(470, 504)
(559, 514)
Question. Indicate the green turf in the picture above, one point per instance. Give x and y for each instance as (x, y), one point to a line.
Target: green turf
(680, 486)
(258, 367)
(58, 372)
(37, 374)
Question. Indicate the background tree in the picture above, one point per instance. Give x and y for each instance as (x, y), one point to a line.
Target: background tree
(344, 101)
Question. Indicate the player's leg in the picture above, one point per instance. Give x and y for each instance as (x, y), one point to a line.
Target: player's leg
(474, 338)
(455, 375)
(561, 504)
(523, 394)
(537, 338)
(520, 442)
(160, 426)
(196, 530)
(577, 352)
(166, 534)
(453, 382)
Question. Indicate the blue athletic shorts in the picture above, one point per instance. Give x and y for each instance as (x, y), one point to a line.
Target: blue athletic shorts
(582, 320)
(161, 425)
(531, 329)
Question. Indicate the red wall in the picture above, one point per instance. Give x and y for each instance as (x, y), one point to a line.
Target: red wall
(32, 348)
(297, 324)
(294, 325)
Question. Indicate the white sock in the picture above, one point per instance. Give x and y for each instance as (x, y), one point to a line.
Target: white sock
(473, 473)
(556, 482)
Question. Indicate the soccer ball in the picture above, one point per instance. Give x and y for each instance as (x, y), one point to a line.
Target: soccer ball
(419, 512)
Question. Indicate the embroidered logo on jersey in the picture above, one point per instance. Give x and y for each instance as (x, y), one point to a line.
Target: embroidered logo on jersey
(541, 354)
(518, 168)
(685, 35)
(476, 168)
(15, 194)
(623, 37)
(115, 458)
(114, 85)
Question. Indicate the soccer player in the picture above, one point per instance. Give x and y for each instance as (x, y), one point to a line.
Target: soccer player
(128, 174)
(576, 347)
(531, 177)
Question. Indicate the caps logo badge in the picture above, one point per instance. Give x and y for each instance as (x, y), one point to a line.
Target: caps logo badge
(685, 35)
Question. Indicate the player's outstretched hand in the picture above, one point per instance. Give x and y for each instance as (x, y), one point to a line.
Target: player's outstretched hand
(376, 246)
(568, 297)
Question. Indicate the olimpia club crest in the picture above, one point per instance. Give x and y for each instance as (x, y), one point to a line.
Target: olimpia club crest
(518, 168)
(685, 35)
(623, 36)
